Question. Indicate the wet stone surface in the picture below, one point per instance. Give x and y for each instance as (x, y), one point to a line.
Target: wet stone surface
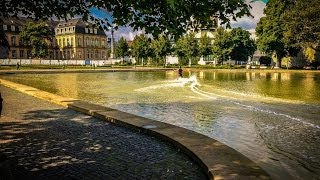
(46, 141)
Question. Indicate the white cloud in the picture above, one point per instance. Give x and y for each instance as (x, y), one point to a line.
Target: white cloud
(249, 22)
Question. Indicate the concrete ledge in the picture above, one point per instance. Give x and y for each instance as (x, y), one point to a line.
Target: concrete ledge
(217, 159)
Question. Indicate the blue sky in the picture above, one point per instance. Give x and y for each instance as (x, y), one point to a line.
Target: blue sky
(247, 23)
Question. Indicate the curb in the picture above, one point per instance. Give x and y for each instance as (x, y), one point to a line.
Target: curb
(218, 160)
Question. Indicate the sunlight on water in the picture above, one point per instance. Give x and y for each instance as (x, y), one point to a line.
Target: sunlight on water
(271, 117)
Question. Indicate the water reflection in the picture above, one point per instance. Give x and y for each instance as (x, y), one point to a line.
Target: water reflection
(271, 117)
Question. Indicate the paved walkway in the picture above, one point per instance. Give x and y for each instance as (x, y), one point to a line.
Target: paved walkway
(47, 141)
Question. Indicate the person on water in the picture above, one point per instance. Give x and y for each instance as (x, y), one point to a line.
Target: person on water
(180, 72)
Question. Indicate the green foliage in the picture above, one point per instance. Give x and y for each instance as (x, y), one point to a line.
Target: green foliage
(303, 24)
(222, 45)
(187, 46)
(270, 30)
(170, 16)
(38, 34)
(160, 47)
(243, 45)
(141, 48)
(122, 48)
(205, 47)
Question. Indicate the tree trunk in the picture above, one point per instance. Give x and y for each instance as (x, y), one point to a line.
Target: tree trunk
(278, 62)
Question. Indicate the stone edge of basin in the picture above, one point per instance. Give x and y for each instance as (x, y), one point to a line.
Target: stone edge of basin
(218, 160)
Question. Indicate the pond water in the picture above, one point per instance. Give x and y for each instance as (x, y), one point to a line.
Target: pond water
(273, 118)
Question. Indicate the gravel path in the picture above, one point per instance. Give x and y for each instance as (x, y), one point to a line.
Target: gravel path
(47, 141)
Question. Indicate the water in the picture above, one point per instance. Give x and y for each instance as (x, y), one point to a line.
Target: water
(271, 117)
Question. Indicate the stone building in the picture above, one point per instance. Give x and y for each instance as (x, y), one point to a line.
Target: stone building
(81, 40)
(73, 40)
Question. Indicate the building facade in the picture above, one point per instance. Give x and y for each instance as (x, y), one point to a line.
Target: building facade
(72, 40)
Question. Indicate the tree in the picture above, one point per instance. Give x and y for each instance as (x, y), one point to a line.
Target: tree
(161, 47)
(170, 16)
(270, 30)
(141, 48)
(187, 47)
(122, 48)
(38, 34)
(205, 46)
(222, 45)
(303, 24)
(243, 45)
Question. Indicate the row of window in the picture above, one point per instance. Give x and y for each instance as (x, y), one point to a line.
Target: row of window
(72, 30)
(88, 42)
(13, 28)
(65, 30)
(65, 54)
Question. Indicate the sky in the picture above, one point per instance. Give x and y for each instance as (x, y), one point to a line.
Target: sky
(247, 23)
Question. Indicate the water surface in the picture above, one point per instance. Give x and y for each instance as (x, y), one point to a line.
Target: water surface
(271, 117)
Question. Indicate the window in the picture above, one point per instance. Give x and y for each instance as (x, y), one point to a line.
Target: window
(64, 42)
(21, 42)
(79, 54)
(90, 31)
(73, 29)
(65, 29)
(88, 41)
(95, 31)
(103, 43)
(57, 31)
(91, 54)
(92, 42)
(69, 29)
(21, 53)
(61, 30)
(59, 42)
(13, 28)
(68, 43)
(103, 55)
(14, 54)
(86, 30)
(5, 27)
(97, 42)
(79, 41)
(57, 55)
(97, 54)
(51, 54)
(28, 54)
(71, 42)
(88, 55)
(13, 40)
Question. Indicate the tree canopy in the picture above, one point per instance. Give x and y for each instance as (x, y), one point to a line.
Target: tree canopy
(122, 48)
(205, 47)
(161, 47)
(187, 46)
(141, 47)
(38, 34)
(169, 16)
(222, 45)
(303, 24)
(270, 30)
(243, 45)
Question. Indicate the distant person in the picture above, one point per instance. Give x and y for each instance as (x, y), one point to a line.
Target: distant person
(18, 66)
(0, 104)
(180, 72)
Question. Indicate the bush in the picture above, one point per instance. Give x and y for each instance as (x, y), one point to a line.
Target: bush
(265, 60)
